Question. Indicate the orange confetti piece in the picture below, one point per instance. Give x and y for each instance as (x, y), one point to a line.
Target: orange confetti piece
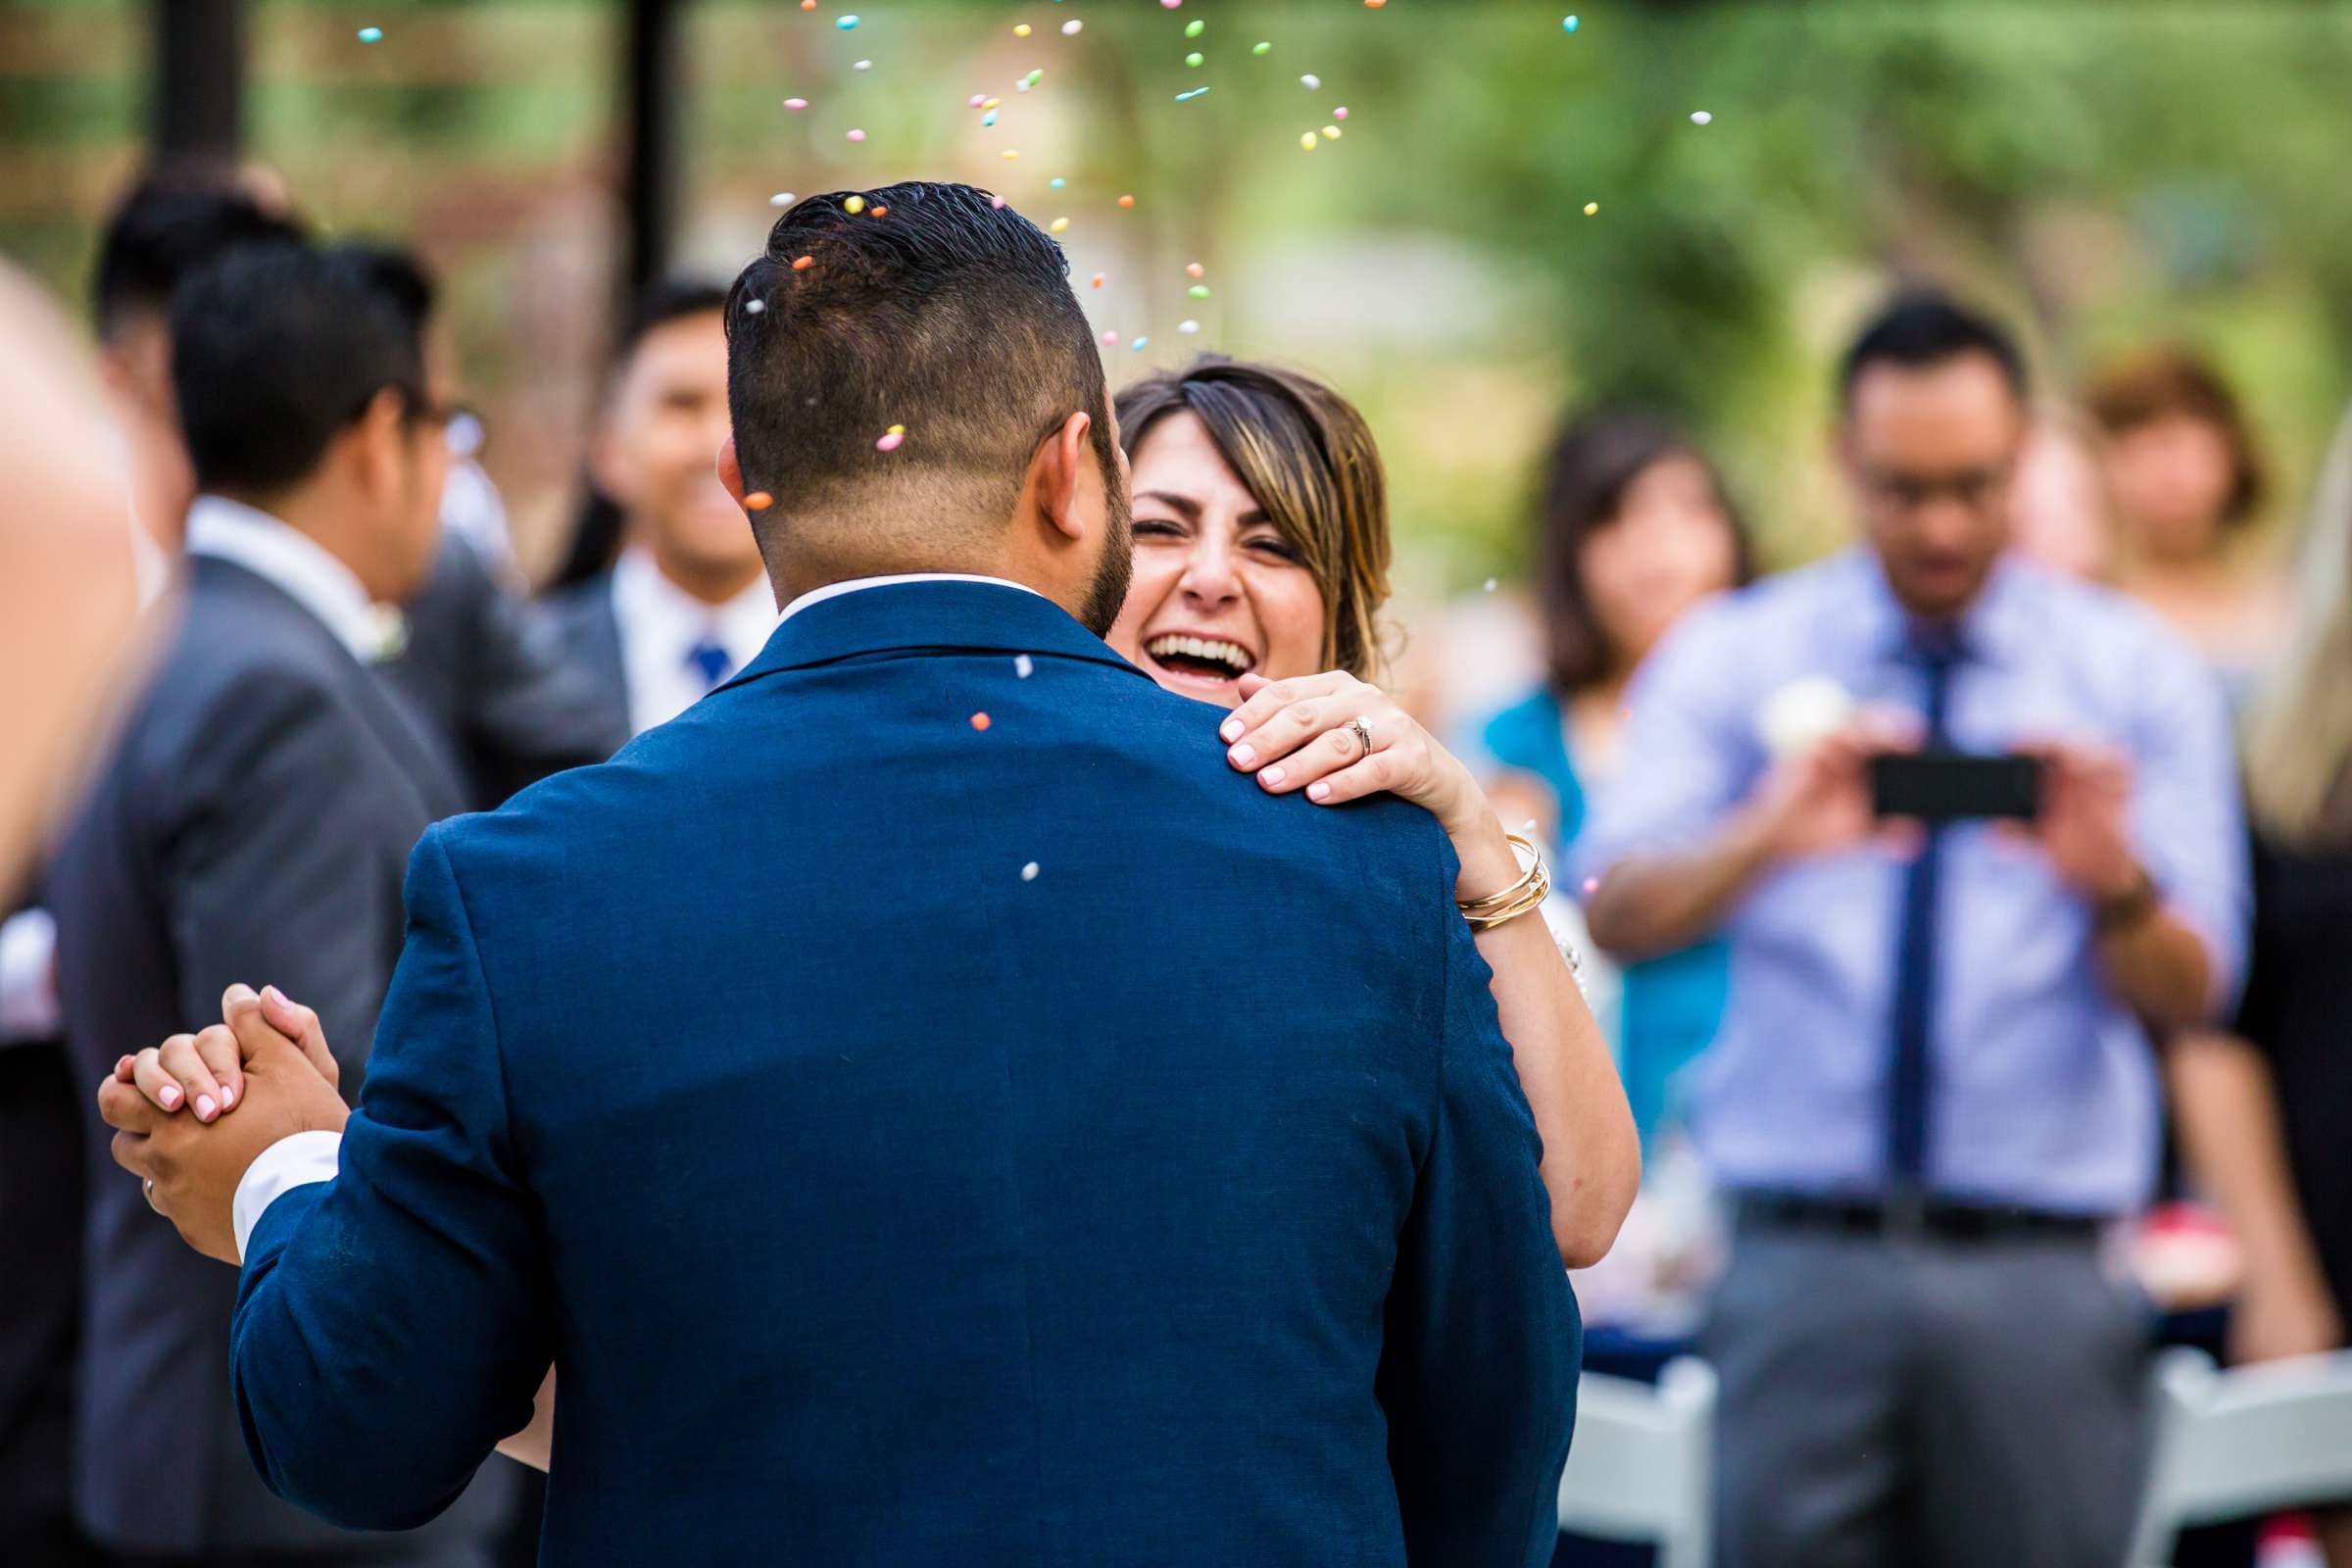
(802, 264)
(1097, 280)
(1194, 270)
(881, 212)
(979, 721)
(757, 500)
(1126, 201)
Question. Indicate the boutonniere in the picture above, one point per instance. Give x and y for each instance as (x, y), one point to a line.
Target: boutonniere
(1802, 713)
(390, 633)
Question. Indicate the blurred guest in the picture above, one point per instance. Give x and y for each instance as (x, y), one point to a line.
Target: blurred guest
(1934, 1085)
(253, 820)
(67, 594)
(688, 603)
(2188, 481)
(1636, 530)
(2265, 1113)
(2060, 512)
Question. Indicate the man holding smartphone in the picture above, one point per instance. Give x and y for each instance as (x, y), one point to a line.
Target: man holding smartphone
(1955, 920)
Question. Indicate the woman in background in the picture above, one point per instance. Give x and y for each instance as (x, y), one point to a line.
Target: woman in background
(2265, 1113)
(2188, 482)
(1636, 528)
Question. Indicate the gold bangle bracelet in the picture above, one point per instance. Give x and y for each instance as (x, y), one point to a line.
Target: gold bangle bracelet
(1529, 892)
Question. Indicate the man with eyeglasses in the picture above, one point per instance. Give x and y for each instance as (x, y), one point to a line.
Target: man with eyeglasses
(1936, 1085)
(254, 822)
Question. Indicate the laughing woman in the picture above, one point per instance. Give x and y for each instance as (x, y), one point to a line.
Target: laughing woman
(1262, 556)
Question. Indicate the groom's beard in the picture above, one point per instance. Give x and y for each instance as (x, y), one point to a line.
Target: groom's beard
(1107, 595)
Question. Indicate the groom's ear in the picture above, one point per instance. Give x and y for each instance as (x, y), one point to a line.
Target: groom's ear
(730, 472)
(1057, 475)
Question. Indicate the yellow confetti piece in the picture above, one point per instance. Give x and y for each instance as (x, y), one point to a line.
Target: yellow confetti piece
(1011, 153)
(1591, 208)
(853, 205)
(1060, 225)
(1021, 29)
(1307, 141)
(1330, 133)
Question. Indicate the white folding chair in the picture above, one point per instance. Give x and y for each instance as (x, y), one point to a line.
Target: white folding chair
(2229, 1445)
(1642, 1465)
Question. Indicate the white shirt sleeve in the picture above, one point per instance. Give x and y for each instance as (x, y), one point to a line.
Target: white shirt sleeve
(28, 1008)
(289, 1163)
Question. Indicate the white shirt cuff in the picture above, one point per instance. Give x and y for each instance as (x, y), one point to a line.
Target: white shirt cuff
(290, 1162)
(29, 1008)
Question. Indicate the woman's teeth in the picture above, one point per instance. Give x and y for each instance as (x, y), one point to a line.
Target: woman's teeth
(1207, 655)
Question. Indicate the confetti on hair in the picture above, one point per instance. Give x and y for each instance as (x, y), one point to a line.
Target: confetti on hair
(997, 202)
(1022, 666)
(980, 721)
(891, 440)
(755, 307)
(757, 500)
(802, 264)
(853, 205)
(371, 35)
(881, 212)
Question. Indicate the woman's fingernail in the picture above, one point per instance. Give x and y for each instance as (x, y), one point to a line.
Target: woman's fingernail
(1230, 728)
(229, 1097)
(1318, 790)
(205, 1111)
(274, 995)
(1274, 775)
(168, 1097)
(1243, 756)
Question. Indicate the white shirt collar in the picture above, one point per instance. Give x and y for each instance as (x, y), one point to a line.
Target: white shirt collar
(301, 567)
(647, 600)
(834, 590)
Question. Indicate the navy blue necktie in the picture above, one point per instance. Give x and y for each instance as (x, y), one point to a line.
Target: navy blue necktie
(1915, 954)
(710, 660)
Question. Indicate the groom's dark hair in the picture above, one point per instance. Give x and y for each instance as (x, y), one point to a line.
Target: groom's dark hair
(928, 305)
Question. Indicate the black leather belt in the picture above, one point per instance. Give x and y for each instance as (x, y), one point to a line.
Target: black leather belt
(1885, 1217)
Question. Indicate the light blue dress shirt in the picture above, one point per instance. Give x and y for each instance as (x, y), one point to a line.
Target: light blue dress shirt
(2042, 1087)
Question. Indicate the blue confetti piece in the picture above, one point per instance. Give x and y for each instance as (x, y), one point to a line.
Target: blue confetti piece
(1138, 344)
(1188, 97)
(845, 22)
(1568, 24)
(1057, 182)
(371, 35)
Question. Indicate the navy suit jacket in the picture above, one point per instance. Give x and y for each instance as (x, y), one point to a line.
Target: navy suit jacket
(881, 1202)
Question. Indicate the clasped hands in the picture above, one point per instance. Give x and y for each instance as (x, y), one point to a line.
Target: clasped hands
(171, 1105)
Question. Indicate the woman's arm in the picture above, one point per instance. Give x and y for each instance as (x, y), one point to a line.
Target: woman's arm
(535, 1443)
(1297, 736)
(2228, 1113)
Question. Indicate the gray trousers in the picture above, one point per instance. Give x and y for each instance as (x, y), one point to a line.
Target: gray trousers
(1917, 1403)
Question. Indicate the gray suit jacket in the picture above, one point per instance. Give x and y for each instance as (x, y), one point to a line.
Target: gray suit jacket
(252, 823)
(493, 672)
(585, 620)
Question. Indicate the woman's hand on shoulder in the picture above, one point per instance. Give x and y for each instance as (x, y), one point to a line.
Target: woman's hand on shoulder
(1303, 736)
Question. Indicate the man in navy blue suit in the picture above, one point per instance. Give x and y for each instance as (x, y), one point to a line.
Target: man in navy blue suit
(927, 1107)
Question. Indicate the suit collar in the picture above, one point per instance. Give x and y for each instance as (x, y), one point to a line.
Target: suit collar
(954, 613)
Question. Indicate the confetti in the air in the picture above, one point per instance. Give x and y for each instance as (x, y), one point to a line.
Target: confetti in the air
(1188, 97)
(865, 64)
(1011, 153)
(1127, 201)
(1072, 28)
(1029, 872)
(1568, 24)
(1700, 117)
(1111, 340)
(1307, 141)
(856, 135)
(1056, 183)
(1195, 269)
(1592, 885)
(1097, 280)
(1591, 208)
(845, 22)
(796, 104)
(1261, 47)
(1035, 76)
(1491, 585)
(1021, 665)
(1340, 112)
(989, 118)
(1139, 344)
(757, 500)
(1194, 57)
(980, 721)
(1194, 27)
(783, 198)
(853, 205)
(989, 103)
(1311, 80)
(371, 35)
(1332, 133)
(1060, 225)
(1021, 29)
(1200, 291)
(1188, 328)
(979, 100)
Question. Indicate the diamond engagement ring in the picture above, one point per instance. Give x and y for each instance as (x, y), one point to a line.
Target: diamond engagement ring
(1363, 733)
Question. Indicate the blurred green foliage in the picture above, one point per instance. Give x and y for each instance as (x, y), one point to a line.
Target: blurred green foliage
(2102, 172)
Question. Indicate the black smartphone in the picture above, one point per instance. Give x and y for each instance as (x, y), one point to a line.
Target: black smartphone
(1954, 786)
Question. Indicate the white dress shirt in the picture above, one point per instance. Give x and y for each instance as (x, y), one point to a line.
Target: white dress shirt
(28, 1008)
(660, 622)
(314, 1157)
(300, 567)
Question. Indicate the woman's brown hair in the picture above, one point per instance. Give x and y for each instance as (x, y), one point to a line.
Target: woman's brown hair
(2168, 382)
(1307, 456)
(1594, 463)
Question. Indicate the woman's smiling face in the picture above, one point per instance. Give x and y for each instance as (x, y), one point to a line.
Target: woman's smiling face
(1217, 593)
